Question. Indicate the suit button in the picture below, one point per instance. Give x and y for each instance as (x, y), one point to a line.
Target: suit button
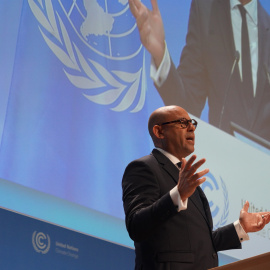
(214, 255)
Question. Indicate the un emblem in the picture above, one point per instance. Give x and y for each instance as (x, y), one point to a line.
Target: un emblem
(217, 195)
(41, 242)
(98, 45)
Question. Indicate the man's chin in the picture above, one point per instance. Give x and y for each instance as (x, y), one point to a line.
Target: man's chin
(191, 149)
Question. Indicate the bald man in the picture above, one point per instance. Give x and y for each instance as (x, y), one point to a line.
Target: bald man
(167, 213)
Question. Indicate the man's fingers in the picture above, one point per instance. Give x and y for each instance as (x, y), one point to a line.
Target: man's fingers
(198, 177)
(190, 162)
(267, 219)
(246, 206)
(133, 8)
(155, 6)
(198, 164)
(193, 168)
(261, 223)
(265, 216)
(198, 182)
(140, 12)
(265, 213)
(183, 164)
(201, 180)
(202, 173)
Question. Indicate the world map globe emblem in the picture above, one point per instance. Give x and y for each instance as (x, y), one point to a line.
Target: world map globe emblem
(98, 43)
(104, 26)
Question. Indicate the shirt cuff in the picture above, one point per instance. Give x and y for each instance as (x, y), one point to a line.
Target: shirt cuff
(176, 198)
(160, 75)
(243, 236)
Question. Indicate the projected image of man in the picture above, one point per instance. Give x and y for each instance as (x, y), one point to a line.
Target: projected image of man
(225, 61)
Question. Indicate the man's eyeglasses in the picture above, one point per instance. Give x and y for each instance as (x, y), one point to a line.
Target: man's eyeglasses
(183, 122)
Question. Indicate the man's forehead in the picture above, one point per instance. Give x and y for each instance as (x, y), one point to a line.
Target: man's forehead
(179, 113)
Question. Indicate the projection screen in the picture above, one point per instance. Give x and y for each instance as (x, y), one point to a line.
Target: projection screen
(76, 95)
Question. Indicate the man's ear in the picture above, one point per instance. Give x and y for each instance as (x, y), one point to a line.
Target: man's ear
(158, 131)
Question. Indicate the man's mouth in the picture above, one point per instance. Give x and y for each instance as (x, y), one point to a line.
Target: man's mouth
(190, 139)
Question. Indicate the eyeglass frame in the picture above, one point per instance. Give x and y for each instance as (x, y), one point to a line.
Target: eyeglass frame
(192, 121)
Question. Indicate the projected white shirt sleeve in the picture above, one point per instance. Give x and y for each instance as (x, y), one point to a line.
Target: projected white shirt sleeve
(160, 75)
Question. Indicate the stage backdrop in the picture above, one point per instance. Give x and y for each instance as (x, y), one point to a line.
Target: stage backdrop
(74, 104)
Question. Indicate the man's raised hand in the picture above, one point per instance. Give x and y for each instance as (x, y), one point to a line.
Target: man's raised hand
(150, 27)
(189, 178)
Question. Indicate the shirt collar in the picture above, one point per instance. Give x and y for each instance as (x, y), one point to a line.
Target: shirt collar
(171, 157)
(251, 8)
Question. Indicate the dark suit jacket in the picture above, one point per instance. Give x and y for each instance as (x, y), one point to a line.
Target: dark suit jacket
(205, 66)
(163, 237)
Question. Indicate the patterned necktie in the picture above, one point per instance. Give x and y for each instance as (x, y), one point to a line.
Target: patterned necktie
(178, 164)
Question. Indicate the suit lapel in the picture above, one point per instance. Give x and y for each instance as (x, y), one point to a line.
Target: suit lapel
(201, 204)
(221, 9)
(207, 210)
(167, 165)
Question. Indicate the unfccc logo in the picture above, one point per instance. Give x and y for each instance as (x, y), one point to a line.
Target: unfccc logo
(217, 194)
(41, 242)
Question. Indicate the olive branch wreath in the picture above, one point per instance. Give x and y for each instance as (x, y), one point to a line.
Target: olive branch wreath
(225, 214)
(35, 242)
(70, 55)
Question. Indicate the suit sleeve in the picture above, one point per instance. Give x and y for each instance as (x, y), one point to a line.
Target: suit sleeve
(144, 208)
(187, 85)
(226, 238)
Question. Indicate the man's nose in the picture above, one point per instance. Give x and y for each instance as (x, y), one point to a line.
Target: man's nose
(191, 127)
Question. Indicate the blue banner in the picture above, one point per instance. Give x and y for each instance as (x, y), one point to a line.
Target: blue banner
(39, 245)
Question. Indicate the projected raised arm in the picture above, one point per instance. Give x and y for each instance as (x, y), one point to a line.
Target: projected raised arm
(150, 27)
